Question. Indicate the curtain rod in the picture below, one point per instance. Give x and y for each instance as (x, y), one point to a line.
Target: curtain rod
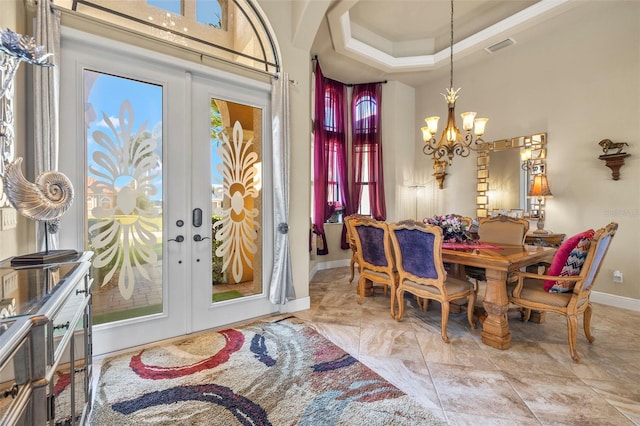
(371, 82)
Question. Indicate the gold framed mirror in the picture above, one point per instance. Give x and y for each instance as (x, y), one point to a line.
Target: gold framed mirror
(505, 170)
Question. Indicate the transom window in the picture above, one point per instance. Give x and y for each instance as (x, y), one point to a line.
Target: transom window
(207, 12)
(231, 30)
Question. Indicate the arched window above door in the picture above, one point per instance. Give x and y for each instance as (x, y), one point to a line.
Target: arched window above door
(233, 31)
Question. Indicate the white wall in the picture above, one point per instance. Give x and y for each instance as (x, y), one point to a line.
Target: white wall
(580, 83)
(398, 126)
(21, 239)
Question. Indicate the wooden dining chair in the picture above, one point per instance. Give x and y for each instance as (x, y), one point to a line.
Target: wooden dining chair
(498, 230)
(348, 224)
(375, 258)
(573, 283)
(503, 230)
(417, 249)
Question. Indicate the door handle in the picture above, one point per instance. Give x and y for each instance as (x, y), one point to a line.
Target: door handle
(198, 238)
(177, 239)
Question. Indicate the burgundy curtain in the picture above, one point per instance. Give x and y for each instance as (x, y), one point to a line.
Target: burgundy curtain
(330, 152)
(366, 105)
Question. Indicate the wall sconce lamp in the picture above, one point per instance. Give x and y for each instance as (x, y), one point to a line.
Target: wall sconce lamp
(525, 158)
(540, 191)
(440, 171)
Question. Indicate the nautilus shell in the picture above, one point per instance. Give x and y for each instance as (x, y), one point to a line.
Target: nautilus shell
(46, 199)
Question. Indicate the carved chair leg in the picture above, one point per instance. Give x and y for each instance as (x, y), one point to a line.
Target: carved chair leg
(525, 314)
(361, 285)
(587, 323)
(572, 325)
(422, 302)
(471, 308)
(400, 297)
(444, 320)
(353, 269)
(393, 300)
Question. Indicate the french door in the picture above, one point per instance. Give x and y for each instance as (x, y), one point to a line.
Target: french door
(168, 161)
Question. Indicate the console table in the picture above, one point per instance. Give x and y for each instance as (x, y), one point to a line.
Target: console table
(544, 240)
(45, 342)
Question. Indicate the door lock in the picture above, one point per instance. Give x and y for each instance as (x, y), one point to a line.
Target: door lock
(196, 217)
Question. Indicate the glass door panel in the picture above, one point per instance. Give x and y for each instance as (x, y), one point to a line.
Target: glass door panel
(236, 200)
(230, 149)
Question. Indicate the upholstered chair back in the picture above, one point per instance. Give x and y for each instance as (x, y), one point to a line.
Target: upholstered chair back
(503, 230)
(375, 258)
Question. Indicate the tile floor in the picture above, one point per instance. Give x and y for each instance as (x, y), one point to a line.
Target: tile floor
(535, 382)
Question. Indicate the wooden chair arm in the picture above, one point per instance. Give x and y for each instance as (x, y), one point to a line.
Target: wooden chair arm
(546, 277)
(521, 275)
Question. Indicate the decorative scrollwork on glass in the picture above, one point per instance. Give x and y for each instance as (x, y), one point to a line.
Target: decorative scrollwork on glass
(237, 230)
(125, 167)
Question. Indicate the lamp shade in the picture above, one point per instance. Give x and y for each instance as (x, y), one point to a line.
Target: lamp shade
(540, 187)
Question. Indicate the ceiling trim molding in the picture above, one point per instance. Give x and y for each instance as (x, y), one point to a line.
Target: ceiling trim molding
(344, 43)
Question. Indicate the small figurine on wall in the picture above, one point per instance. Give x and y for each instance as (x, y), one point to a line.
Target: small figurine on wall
(614, 160)
(608, 145)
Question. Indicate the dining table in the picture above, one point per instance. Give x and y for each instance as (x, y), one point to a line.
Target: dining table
(499, 261)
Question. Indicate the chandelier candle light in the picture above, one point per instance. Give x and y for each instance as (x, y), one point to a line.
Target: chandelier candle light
(451, 141)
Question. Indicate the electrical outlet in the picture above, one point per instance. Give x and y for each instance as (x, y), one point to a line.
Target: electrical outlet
(617, 276)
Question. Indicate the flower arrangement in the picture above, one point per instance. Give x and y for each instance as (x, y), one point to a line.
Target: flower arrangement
(336, 209)
(453, 230)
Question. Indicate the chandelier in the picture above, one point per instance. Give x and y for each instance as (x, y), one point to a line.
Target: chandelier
(452, 142)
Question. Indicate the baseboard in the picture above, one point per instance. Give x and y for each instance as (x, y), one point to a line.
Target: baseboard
(313, 271)
(333, 264)
(321, 266)
(296, 305)
(617, 301)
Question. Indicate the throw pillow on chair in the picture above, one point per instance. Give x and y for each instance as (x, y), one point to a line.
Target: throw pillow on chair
(562, 265)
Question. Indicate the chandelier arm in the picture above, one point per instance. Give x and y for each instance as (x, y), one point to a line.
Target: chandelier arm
(476, 144)
(441, 152)
(434, 150)
(461, 150)
(430, 146)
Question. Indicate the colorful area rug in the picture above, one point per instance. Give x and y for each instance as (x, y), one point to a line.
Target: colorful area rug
(281, 372)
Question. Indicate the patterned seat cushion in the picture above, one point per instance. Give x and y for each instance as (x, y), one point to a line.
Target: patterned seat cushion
(568, 262)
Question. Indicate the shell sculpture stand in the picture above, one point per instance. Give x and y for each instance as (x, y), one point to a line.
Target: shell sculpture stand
(45, 200)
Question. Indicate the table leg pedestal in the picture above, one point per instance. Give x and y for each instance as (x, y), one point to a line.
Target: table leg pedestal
(495, 328)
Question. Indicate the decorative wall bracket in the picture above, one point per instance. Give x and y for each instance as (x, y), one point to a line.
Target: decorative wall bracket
(439, 168)
(614, 162)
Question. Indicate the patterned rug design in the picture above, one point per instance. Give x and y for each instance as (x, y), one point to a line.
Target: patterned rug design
(278, 372)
